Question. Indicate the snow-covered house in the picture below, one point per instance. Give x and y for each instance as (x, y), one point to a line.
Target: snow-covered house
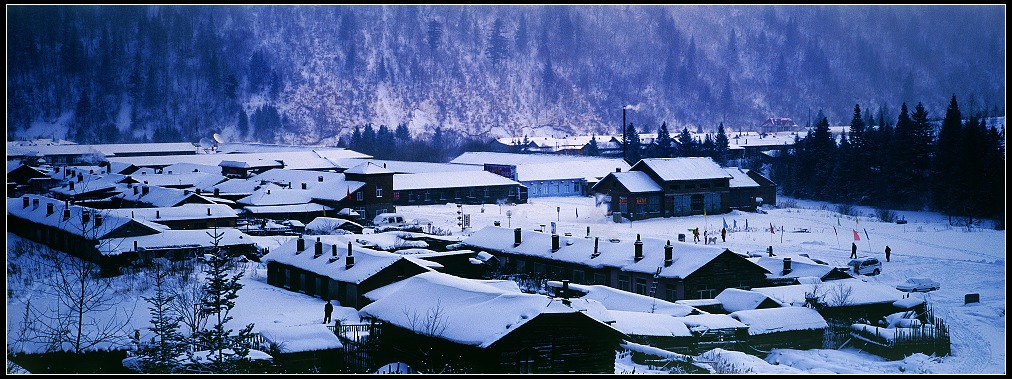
(471, 187)
(334, 268)
(179, 180)
(651, 267)
(437, 321)
(376, 195)
(715, 331)
(180, 244)
(742, 190)
(655, 329)
(79, 184)
(138, 195)
(302, 195)
(788, 270)
(783, 327)
(735, 299)
(688, 186)
(22, 178)
(186, 216)
(546, 175)
(330, 225)
(845, 300)
(618, 300)
(304, 347)
(246, 168)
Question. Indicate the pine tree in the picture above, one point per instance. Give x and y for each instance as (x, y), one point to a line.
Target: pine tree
(401, 134)
(632, 145)
(947, 160)
(721, 146)
(161, 355)
(227, 351)
(663, 142)
(243, 125)
(498, 45)
(368, 140)
(708, 148)
(686, 144)
(592, 149)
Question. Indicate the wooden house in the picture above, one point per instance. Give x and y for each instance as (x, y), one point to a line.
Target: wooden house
(798, 328)
(310, 348)
(436, 322)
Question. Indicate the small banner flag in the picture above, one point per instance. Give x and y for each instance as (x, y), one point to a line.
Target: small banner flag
(857, 237)
(772, 230)
(736, 223)
(866, 234)
(834, 231)
(348, 196)
(746, 224)
(725, 223)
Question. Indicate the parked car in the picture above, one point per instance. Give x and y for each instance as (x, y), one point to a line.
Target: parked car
(918, 285)
(864, 266)
(389, 219)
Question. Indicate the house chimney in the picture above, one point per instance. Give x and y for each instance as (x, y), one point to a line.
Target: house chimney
(71, 186)
(787, 265)
(216, 192)
(638, 249)
(596, 253)
(85, 216)
(80, 177)
(49, 209)
(349, 261)
(588, 231)
(667, 254)
(516, 237)
(135, 190)
(158, 214)
(208, 211)
(135, 245)
(555, 242)
(35, 204)
(618, 169)
(319, 248)
(319, 178)
(144, 190)
(303, 185)
(98, 220)
(66, 213)
(26, 201)
(565, 289)
(300, 245)
(333, 254)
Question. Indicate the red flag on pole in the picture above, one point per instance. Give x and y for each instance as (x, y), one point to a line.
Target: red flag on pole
(348, 196)
(857, 237)
(772, 230)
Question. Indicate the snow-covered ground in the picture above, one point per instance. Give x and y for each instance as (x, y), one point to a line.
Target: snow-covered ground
(964, 261)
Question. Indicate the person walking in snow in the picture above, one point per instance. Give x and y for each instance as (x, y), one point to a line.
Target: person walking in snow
(723, 235)
(327, 310)
(706, 237)
(888, 250)
(853, 250)
(695, 235)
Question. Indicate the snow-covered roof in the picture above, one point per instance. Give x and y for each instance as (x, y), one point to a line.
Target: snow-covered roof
(250, 163)
(649, 324)
(390, 240)
(179, 168)
(734, 299)
(576, 169)
(73, 224)
(847, 291)
(482, 157)
(273, 195)
(302, 338)
(368, 262)
(710, 321)
(90, 182)
(403, 182)
(326, 225)
(318, 185)
(182, 212)
(366, 168)
(740, 178)
(771, 320)
(158, 196)
(636, 181)
(176, 239)
(175, 178)
(800, 267)
(686, 258)
(318, 159)
(616, 299)
(909, 302)
(691, 168)
(471, 312)
(408, 167)
(289, 208)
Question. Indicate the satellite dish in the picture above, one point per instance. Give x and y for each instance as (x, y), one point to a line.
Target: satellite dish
(218, 138)
(206, 143)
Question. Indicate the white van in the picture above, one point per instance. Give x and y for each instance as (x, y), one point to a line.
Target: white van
(389, 219)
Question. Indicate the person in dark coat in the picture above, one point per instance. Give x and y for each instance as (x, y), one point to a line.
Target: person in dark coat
(853, 250)
(723, 235)
(327, 310)
(888, 250)
(770, 250)
(695, 235)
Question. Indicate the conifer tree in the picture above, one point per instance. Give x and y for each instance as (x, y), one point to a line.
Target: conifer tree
(592, 149)
(721, 145)
(162, 354)
(221, 288)
(947, 156)
(632, 145)
(663, 142)
(686, 144)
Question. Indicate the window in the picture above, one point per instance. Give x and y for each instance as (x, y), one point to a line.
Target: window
(670, 294)
(288, 277)
(705, 292)
(623, 282)
(599, 278)
(379, 190)
(539, 268)
(486, 192)
(641, 286)
(555, 188)
(579, 276)
(521, 267)
(358, 196)
(526, 361)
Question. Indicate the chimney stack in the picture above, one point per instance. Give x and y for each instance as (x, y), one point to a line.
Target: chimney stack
(596, 253)
(300, 245)
(618, 169)
(49, 209)
(80, 177)
(71, 186)
(787, 265)
(319, 248)
(303, 185)
(98, 220)
(208, 211)
(144, 190)
(319, 178)
(216, 192)
(565, 289)
(158, 214)
(555, 242)
(66, 213)
(667, 254)
(26, 201)
(85, 216)
(588, 231)
(35, 204)
(638, 249)
(135, 245)
(516, 237)
(349, 262)
(333, 254)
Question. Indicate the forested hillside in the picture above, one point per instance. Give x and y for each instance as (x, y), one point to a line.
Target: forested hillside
(311, 74)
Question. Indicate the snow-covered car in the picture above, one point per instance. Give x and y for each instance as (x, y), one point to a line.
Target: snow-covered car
(918, 285)
(864, 266)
